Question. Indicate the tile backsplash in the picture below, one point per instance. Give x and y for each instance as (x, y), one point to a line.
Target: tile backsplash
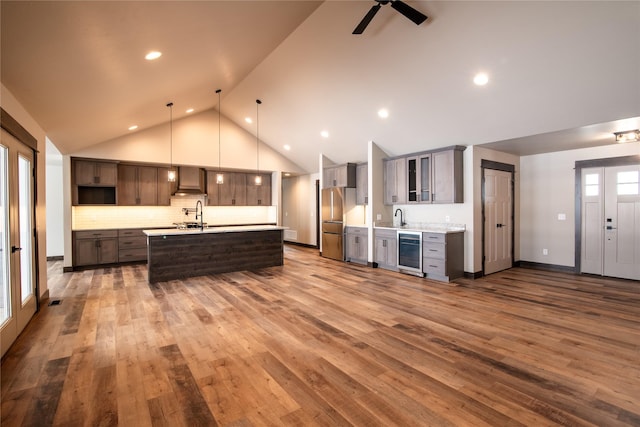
(106, 217)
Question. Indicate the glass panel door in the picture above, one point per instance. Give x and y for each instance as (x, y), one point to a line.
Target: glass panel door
(17, 240)
(25, 214)
(5, 289)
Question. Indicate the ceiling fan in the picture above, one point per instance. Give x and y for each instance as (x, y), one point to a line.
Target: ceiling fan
(406, 10)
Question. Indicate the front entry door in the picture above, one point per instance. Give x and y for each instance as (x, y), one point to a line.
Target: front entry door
(611, 221)
(498, 223)
(17, 239)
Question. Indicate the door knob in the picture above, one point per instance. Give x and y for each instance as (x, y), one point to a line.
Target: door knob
(15, 249)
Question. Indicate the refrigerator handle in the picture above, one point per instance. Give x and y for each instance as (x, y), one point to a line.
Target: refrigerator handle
(331, 212)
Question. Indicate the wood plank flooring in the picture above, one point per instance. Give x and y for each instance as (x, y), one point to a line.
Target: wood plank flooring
(317, 342)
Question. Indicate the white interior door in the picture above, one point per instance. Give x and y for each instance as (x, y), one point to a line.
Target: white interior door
(17, 245)
(498, 224)
(622, 222)
(611, 221)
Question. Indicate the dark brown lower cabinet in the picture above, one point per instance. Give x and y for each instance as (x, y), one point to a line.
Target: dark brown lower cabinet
(95, 247)
(132, 245)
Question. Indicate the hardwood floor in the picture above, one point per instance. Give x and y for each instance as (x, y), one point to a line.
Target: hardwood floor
(319, 342)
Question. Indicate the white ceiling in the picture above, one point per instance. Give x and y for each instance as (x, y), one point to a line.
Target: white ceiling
(563, 75)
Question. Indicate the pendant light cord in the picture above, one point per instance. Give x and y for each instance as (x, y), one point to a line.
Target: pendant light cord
(258, 102)
(170, 105)
(219, 128)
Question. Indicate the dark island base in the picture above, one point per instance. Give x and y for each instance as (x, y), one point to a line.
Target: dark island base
(172, 257)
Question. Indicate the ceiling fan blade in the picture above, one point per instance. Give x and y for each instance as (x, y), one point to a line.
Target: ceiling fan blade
(367, 18)
(416, 16)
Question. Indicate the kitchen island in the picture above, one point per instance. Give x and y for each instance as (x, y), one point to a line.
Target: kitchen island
(181, 253)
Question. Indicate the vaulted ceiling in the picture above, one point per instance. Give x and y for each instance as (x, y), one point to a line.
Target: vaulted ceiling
(562, 75)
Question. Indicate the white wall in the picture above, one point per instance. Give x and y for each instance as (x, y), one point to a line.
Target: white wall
(13, 107)
(55, 205)
(547, 184)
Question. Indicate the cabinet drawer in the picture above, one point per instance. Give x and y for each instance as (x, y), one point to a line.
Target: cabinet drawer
(434, 237)
(434, 266)
(386, 233)
(132, 242)
(356, 230)
(433, 250)
(131, 232)
(95, 234)
(132, 254)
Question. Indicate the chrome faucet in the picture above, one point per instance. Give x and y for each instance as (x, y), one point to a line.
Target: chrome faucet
(402, 223)
(199, 203)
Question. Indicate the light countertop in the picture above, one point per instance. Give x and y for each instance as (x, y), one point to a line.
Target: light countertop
(425, 227)
(224, 229)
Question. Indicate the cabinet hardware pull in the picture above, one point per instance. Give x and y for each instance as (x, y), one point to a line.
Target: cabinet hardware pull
(15, 249)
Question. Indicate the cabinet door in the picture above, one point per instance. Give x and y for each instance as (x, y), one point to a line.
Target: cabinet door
(127, 188)
(106, 174)
(392, 252)
(213, 188)
(259, 195)
(107, 251)
(380, 250)
(362, 184)
(390, 186)
(447, 174)
(165, 187)
(329, 178)
(86, 252)
(84, 172)
(234, 190)
(147, 186)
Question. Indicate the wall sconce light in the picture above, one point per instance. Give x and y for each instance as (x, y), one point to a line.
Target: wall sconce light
(219, 175)
(258, 180)
(171, 176)
(627, 136)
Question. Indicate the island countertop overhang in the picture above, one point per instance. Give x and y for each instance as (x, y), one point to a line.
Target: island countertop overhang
(209, 230)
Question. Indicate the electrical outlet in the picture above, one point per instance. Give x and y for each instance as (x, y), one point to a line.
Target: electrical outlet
(378, 217)
(447, 218)
(545, 252)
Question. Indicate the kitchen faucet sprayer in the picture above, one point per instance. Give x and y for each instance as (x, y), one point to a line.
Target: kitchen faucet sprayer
(199, 203)
(402, 223)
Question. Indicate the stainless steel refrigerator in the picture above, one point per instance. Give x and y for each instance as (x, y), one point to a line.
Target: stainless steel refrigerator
(333, 223)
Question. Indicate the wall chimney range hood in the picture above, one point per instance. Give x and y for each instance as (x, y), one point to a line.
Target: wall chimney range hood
(191, 181)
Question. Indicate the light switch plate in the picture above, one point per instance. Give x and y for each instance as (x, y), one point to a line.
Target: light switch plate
(562, 217)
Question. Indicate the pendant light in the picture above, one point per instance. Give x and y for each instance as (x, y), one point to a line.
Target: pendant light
(219, 175)
(171, 176)
(258, 180)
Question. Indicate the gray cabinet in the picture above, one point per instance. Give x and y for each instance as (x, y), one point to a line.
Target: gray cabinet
(448, 176)
(339, 176)
(428, 177)
(362, 184)
(443, 255)
(94, 247)
(357, 244)
(385, 252)
(395, 181)
(419, 179)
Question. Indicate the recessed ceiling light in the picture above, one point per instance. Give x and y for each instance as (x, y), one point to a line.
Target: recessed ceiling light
(481, 79)
(248, 120)
(324, 134)
(154, 54)
(134, 127)
(287, 147)
(190, 110)
(383, 113)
